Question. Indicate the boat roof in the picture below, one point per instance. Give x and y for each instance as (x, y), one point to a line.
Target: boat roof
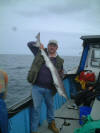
(91, 39)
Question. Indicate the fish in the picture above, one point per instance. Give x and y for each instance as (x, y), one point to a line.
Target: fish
(55, 75)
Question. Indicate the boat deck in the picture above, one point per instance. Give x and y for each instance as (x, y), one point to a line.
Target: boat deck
(63, 112)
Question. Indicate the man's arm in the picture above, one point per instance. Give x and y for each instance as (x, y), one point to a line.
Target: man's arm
(6, 79)
(33, 48)
(6, 84)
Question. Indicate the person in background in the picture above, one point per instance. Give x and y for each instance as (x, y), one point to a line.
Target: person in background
(41, 79)
(85, 97)
(3, 109)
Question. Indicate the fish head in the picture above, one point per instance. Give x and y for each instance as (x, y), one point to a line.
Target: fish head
(62, 92)
(65, 96)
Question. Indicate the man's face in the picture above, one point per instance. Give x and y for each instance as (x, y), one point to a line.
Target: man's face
(52, 48)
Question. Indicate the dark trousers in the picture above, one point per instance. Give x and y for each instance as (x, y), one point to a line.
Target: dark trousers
(3, 117)
(97, 130)
(0, 130)
(85, 97)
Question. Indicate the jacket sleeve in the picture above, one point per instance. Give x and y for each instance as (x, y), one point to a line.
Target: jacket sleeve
(61, 72)
(61, 69)
(32, 47)
(6, 79)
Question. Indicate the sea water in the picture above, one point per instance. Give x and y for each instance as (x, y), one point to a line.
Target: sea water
(17, 67)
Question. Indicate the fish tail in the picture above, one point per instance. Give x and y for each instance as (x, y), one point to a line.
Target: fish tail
(38, 40)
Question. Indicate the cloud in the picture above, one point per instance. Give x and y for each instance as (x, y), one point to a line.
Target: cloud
(30, 8)
(77, 14)
(51, 16)
(68, 7)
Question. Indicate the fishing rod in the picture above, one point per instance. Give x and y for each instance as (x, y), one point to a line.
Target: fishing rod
(65, 123)
(68, 118)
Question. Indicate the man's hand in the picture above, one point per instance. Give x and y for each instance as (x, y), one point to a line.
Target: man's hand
(41, 46)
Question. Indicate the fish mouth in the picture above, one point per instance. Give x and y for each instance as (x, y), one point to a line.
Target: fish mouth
(64, 95)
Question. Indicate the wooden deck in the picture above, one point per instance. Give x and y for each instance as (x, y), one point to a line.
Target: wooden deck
(63, 112)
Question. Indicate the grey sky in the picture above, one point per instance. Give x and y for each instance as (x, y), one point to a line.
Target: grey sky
(64, 20)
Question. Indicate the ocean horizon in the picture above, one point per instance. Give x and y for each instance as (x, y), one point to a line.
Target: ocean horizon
(17, 67)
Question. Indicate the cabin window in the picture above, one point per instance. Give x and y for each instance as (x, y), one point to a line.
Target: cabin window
(95, 60)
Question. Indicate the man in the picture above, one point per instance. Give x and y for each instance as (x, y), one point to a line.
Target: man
(41, 78)
(3, 110)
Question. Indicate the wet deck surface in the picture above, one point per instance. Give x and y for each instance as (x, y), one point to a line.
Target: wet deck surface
(63, 112)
